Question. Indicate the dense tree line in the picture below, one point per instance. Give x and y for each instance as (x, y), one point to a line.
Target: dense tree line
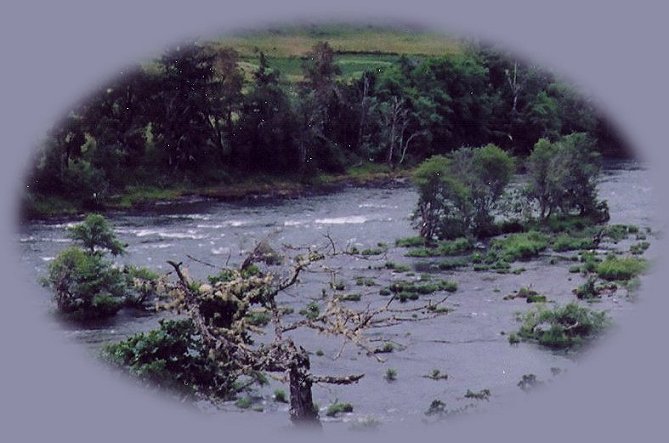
(193, 116)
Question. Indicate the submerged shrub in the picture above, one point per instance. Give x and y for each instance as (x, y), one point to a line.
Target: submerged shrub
(172, 356)
(521, 246)
(483, 394)
(562, 327)
(337, 408)
(566, 242)
(85, 285)
(614, 268)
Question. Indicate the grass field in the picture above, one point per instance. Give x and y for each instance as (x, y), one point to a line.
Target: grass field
(358, 48)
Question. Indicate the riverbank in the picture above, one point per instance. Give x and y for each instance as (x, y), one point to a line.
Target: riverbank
(250, 188)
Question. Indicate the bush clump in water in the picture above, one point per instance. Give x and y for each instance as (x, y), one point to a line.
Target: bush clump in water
(337, 408)
(174, 357)
(563, 327)
(483, 394)
(615, 268)
(519, 246)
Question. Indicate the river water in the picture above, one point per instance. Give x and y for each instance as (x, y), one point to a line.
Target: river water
(467, 344)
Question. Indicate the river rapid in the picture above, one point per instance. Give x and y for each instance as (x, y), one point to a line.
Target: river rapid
(469, 344)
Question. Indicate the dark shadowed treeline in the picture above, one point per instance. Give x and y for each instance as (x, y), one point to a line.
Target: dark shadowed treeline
(195, 118)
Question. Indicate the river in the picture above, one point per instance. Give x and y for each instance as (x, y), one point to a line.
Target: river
(467, 343)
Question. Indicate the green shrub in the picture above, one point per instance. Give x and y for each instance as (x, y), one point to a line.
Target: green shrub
(452, 264)
(536, 299)
(85, 286)
(409, 289)
(614, 268)
(410, 242)
(95, 234)
(563, 177)
(390, 375)
(587, 290)
(619, 232)
(566, 242)
(452, 247)
(520, 246)
(337, 408)
(312, 311)
(258, 317)
(397, 267)
(562, 327)
(350, 297)
(280, 396)
(373, 251)
(172, 356)
(639, 248)
(457, 194)
(244, 402)
(365, 281)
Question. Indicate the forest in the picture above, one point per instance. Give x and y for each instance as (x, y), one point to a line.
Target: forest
(223, 112)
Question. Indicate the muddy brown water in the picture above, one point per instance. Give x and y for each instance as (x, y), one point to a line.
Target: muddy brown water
(469, 344)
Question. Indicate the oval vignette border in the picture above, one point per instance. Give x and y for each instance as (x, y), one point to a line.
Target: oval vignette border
(48, 385)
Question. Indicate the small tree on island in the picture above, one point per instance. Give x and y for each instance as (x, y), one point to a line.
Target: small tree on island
(86, 284)
(563, 178)
(458, 193)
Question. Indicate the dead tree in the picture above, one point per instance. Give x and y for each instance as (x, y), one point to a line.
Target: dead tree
(225, 333)
(396, 119)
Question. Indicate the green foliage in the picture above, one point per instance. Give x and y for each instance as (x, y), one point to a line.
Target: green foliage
(587, 290)
(407, 290)
(563, 177)
(365, 281)
(639, 248)
(614, 268)
(562, 327)
(536, 298)
(397, 267)
(457, 194)
(337, 408)
(258, 317)
(518, 246)
(448, 247)
(244, 402)
(410, 242)
(619, 232)
(280, 396)
(95, 233)
(296, 103)
(350, 297)
(172, 356)
(85, 285)
(566, 242)
(312, 311)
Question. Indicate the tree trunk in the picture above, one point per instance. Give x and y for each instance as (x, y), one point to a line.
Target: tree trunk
(302, 409)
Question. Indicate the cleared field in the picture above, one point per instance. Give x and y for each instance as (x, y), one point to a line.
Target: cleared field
(358, 48)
